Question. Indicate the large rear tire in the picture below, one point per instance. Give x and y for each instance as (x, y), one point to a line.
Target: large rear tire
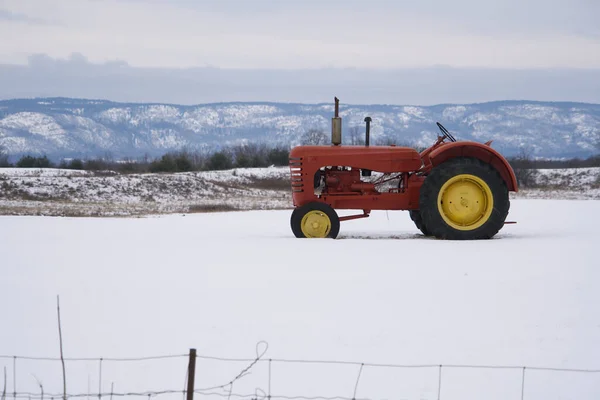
(415, 216)
(315, 220)
(464, 199)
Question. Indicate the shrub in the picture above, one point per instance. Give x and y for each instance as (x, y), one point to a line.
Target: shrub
(219, 160)
(208, 208)
(172, 162)
(165, 164)
(34, 162)
(249, 155)
(278, 156)
(129, 167)
(133, 167)
(75, 163)
(96, 164)
(243, 161)
(183, 162)
(270, 183)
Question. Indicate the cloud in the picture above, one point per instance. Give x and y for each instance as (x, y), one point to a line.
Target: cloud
(76, 76)
(503, 17)
(310, 34)
(75, 61)
(7, 15)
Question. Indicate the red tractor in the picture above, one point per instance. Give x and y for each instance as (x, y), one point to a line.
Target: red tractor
(452, 190)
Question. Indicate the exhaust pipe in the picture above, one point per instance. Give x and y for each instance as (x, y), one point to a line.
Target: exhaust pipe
(366, 172)
(336, 125)
(368, 130)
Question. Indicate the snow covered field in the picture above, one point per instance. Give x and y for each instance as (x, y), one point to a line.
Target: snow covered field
(381, 293)
(82, 193)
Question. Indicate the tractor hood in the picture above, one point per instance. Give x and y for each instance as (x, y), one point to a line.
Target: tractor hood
(387, 159)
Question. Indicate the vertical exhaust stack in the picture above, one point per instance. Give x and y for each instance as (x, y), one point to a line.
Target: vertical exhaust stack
(366, 172)
(336, 125)
(368, 130)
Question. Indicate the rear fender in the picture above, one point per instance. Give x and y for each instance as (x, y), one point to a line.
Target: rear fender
(480, 151)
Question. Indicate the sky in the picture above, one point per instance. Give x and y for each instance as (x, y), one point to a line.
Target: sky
(182, 39)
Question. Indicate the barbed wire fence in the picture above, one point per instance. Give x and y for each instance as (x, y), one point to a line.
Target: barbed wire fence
(226, 390)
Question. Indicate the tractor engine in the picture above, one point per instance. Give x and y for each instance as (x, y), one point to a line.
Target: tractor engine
(344, 180)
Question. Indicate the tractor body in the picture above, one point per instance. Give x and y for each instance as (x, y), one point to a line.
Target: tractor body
(336, 171)
(325, 178)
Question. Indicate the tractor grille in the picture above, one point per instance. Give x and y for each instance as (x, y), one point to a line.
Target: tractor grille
(296, 174)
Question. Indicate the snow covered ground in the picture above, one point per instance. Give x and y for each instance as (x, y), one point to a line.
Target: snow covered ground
(80, 193)
(381, 293)
(568, 183)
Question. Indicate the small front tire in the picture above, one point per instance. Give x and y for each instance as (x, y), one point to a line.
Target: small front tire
(315, 220)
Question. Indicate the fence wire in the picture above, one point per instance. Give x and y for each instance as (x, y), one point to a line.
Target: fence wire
(227, 388)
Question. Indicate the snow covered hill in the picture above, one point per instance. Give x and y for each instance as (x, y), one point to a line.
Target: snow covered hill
(62, 127)
(107, 193)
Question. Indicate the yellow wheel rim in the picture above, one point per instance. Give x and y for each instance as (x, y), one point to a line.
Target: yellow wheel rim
(465, 202)
(315, 224)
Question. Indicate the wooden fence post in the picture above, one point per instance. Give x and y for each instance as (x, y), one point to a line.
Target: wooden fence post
(191, 375)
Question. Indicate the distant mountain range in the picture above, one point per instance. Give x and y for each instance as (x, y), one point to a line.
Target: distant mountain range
(66, 127)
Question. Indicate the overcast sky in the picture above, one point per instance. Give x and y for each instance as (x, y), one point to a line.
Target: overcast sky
(172, 36)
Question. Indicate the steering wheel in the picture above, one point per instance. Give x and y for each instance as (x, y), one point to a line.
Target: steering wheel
(445, 132)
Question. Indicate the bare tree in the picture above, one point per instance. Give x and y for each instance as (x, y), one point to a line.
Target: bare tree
(356, 136)
(250, 155)
(108, 157)
(525, 167)
(385, 141)
(314, 137)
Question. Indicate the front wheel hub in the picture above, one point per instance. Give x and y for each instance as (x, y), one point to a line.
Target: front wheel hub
(315, 224)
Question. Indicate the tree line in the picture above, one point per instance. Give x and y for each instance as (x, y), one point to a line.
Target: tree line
(526, 167)
(241, 156)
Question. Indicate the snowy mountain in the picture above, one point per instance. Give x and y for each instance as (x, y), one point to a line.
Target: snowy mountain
(64, 127)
